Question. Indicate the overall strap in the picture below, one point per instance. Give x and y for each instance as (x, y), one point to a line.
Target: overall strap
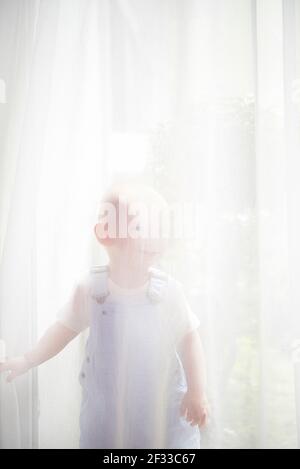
(99, 283)
(158, 285)
(99, 291)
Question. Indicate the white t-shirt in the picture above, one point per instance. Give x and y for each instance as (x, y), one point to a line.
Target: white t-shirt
(75, 314)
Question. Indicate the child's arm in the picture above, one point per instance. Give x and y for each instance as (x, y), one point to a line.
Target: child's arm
(194, 405)
(51, 343)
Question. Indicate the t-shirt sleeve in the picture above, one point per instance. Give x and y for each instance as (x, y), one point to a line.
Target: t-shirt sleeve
(183, 319)
(75, 314)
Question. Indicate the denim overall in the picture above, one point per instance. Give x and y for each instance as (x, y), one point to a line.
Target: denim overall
(132, 378)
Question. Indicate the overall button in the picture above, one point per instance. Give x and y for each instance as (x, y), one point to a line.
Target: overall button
(82, 375)
(88, 359)
(104, 311)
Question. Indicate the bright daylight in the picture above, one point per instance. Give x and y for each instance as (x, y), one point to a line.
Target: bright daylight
(149, 226)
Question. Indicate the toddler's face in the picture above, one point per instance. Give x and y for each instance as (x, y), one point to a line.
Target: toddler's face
(136, 225)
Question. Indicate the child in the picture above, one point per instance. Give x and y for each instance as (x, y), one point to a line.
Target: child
(143, 381)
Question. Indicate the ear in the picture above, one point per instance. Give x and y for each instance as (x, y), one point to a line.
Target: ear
(102, 235)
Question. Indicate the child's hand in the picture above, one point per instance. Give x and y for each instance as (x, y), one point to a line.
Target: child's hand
(195, 409)
(16, 367)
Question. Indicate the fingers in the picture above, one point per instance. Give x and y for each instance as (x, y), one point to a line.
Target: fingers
(204, 419)
(187, 413)
(195, 421)
(190, 417)
(194, 418)
(193, 414)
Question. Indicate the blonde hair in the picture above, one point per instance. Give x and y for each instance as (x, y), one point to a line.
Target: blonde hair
(128, 193)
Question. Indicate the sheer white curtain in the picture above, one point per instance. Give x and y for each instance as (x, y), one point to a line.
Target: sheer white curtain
(201, 99)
